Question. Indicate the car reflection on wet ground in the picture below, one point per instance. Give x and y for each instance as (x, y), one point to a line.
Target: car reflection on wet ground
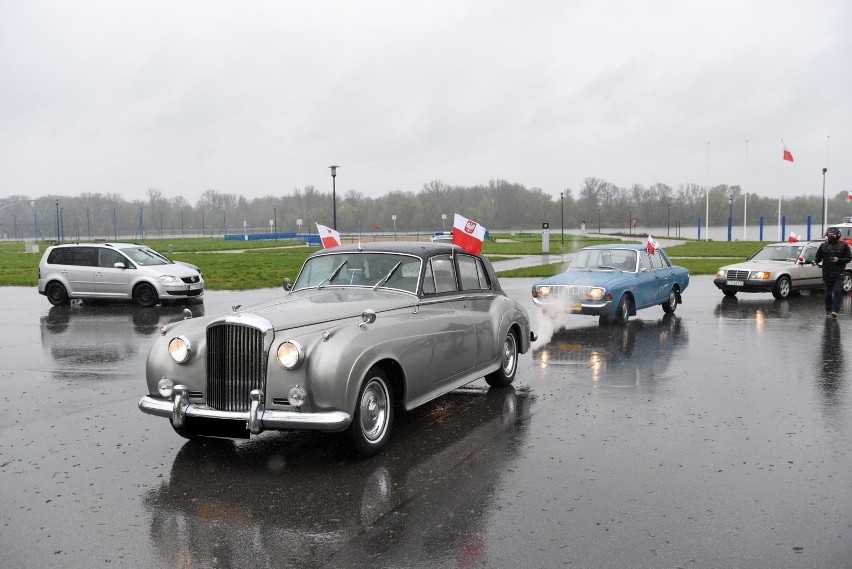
(715, 437)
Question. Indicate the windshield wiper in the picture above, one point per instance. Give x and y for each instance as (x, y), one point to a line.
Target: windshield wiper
(606, 267)
(332, 275)
(387, 276)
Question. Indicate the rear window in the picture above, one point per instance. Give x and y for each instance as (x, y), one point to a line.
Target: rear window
(80, 256)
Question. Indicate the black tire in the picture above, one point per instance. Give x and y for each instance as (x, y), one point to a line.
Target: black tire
(729, 292)
(670, 305)
(373, 420)
(847, 282)
(505, 374)
(783, 287)
(622, 314)
(57, 295)
(145, 295)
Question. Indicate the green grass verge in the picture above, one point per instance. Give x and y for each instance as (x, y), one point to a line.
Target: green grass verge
(261, 264)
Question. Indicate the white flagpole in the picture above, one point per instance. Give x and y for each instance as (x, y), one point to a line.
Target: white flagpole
(707, 193)
(745, 197)
(825, 196)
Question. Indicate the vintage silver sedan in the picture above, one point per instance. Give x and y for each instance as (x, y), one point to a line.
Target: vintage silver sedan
(362, 331)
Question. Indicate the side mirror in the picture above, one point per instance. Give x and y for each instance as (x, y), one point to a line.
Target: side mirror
(287, 285)
(119, 265)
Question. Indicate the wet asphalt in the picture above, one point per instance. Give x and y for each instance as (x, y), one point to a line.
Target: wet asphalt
(719, 437)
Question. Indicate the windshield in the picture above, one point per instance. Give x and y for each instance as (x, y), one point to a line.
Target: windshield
(144, 256)
(605, 259)
(778, 253)
(385, 270)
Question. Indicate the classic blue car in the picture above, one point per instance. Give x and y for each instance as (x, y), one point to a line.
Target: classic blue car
(613, 282)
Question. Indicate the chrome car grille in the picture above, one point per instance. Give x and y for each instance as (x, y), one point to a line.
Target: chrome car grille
(738, 275)
(569, 291)
(236, 364)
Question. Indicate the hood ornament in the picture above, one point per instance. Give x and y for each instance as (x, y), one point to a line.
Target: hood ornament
(236, 307)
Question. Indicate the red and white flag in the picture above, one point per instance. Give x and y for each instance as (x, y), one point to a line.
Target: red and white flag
(468, 234)
(652, 245)
(850, 196)
(793, 237)
(330, 237)
(788, 156)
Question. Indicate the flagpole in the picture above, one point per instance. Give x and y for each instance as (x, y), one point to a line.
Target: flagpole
(824, 198)
(707, 194)
(745, 197)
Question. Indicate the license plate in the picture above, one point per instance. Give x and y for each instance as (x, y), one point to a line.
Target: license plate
(734, 283)
(194, 286)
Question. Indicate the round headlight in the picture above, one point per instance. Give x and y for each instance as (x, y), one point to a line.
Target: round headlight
(296, 396)
(721, 273)
(543, 290)
(180, 349)
(290, 354)
(165, 387)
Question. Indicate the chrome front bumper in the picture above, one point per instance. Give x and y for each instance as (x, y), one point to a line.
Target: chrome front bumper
(257, 419)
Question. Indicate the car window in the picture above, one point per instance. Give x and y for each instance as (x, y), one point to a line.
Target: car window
(658, 261)
(778, 253)
(144, 256)
(472, 273)
(605, 259)
(360, 269)
(809, 253)
(107, 258)
(442, 273)
(645, 261)
(80, 256)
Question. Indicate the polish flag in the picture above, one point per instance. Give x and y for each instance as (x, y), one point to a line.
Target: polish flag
(793, 237)
(652, 245)
(468, 234)
(850, 196)
(788, 156)
(330, 237)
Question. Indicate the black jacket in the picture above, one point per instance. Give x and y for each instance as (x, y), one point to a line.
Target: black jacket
(829, 249)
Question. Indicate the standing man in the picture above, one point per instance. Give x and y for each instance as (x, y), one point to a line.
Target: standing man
(834, 253)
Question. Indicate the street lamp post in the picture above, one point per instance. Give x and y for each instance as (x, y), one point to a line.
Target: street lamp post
(824, 170)
(57, 221)
(630, 219)
(333, 169)
(562, 216)
(669, 221)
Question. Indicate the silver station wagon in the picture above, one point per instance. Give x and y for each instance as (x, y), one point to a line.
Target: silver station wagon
(361, 332)
(116, 271)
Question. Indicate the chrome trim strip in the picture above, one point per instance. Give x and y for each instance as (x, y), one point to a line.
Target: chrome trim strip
(267, 419)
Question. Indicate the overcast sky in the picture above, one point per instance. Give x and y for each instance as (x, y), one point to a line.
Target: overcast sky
(260, 97)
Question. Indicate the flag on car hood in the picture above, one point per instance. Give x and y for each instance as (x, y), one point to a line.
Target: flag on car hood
(652, 245)
(330, 237)
(793, 237)
(468, 234)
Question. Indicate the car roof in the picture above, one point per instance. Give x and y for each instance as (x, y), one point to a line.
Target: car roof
(630, 246)
(419, 249)
(114, 245)
(788, 243)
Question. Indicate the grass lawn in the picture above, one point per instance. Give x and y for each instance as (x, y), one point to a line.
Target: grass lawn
(239, 265)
